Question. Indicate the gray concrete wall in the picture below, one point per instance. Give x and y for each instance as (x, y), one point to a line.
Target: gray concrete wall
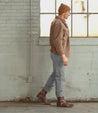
(25, 62)
(81, 75)
(14, 48)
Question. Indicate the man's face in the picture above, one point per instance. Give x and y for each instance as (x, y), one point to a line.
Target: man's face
(67, 14)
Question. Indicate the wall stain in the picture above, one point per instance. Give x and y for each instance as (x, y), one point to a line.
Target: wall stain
(72, 88)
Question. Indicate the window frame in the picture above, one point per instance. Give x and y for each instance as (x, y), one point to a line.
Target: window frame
(71, 14)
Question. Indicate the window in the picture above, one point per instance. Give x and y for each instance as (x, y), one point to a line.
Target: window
(83, 21)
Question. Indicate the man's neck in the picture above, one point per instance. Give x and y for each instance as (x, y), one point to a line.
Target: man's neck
(61, 17)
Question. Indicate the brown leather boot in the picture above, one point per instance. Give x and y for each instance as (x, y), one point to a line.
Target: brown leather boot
(42, 95)
(62, 103)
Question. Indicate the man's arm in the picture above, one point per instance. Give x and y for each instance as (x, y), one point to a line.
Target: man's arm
(57, 37)
(65, 60)
(57, 40)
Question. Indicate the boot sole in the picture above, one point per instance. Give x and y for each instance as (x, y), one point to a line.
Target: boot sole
(40, 98)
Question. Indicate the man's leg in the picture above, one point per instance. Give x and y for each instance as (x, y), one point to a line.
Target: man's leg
(60, 71)
(50, 82)
(60, 83)
(57, 77)
(60, 80)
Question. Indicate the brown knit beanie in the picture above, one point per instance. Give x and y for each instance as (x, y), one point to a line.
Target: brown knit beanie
(63, 8)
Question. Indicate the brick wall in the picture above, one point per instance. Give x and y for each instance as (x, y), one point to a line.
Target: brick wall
(14, 19)
(15, 34)
(35, 20)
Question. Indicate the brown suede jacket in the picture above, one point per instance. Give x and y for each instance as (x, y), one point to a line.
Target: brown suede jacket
(59, 37)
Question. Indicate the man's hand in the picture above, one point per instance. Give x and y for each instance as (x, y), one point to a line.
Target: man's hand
(65, 60)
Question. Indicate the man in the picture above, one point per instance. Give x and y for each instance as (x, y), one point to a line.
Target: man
(60, 50)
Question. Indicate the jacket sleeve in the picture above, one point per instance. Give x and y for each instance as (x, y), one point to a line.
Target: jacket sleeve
(57, 38)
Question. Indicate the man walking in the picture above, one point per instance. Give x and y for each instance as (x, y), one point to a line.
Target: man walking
(59, 51)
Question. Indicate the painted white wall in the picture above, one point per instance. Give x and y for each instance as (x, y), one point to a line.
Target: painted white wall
(14, 49)
(25, 62)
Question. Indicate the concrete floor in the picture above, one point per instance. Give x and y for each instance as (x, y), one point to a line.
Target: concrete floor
(12, 107)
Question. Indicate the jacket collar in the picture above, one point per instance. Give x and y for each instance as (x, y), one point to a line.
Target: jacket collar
(62, 20)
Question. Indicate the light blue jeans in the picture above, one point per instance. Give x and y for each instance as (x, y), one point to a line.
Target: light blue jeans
(57, 78)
